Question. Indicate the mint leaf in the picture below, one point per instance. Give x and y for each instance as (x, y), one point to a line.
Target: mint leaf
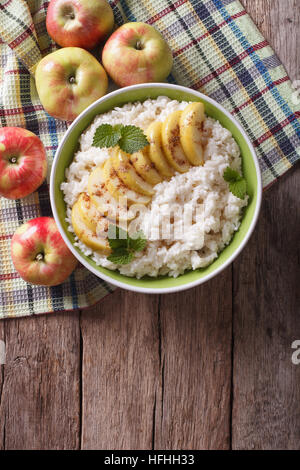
(129, 138)
(132, 139)
(238, 188)
(107, 136)
(115, 243)
(237, 184)
(121, 256)
(138, 241)
(231, 175)
(118, 128)
(123, 246)
(117, 233)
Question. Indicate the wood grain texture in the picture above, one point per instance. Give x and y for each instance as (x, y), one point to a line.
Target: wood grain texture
(40, 383)
(279, 22)
(193, 406)
(120, 370)
(266, 394)
(2, 422)
(157, 373)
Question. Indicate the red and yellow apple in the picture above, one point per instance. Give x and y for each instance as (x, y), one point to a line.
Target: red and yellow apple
(137, 53)
(68, 81)
(39, 253)
(80, 23)
(23, 162)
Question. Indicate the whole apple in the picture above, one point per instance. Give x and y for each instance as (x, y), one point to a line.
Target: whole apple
(68, 81)
(39, 253)
(137, 53)
(80, 23)
(23, 162)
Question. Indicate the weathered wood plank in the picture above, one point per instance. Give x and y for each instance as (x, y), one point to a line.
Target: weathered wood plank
(120, 370)
(40, 383)
(279, 22)
(266, 395)
(2, 429)
(266, 406)
(158, 375)
(193, 407)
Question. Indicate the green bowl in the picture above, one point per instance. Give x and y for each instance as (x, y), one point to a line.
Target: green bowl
(69, 146)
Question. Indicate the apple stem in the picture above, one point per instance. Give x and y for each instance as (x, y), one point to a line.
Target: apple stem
(39, 257)
(138, 46)
(72, 80)
(13, 160)
(68, 12)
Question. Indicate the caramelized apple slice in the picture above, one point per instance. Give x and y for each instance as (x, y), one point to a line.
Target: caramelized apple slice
(191, 123)
(118, 189)
(156, 153)
(170, 134)
(104, 201)
(86, 235)
(145, 167)
(88, 211)
(128, 175)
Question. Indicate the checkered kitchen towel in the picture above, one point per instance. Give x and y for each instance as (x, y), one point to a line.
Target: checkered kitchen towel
(217, 49)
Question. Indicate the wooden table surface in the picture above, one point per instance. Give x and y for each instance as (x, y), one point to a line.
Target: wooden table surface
(209, 368)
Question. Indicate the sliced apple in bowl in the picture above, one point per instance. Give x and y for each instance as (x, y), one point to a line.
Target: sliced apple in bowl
(117, 187)
(88, 211)
(191, 124)
(145, 167)
(126, 172)
(156, 153)
(86, 235)
(103, 199)
(170, 134)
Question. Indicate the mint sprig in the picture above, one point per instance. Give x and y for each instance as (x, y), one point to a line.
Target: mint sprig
(107, 136)
(237, 184)
(130, 139)
(123, 246)
(121, 256)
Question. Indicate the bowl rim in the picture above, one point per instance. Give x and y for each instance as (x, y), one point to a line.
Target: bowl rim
(158, 290)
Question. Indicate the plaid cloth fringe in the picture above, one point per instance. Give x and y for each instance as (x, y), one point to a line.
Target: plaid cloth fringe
(217, 50)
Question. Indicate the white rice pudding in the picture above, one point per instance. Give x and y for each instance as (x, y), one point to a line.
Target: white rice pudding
(204, 236)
